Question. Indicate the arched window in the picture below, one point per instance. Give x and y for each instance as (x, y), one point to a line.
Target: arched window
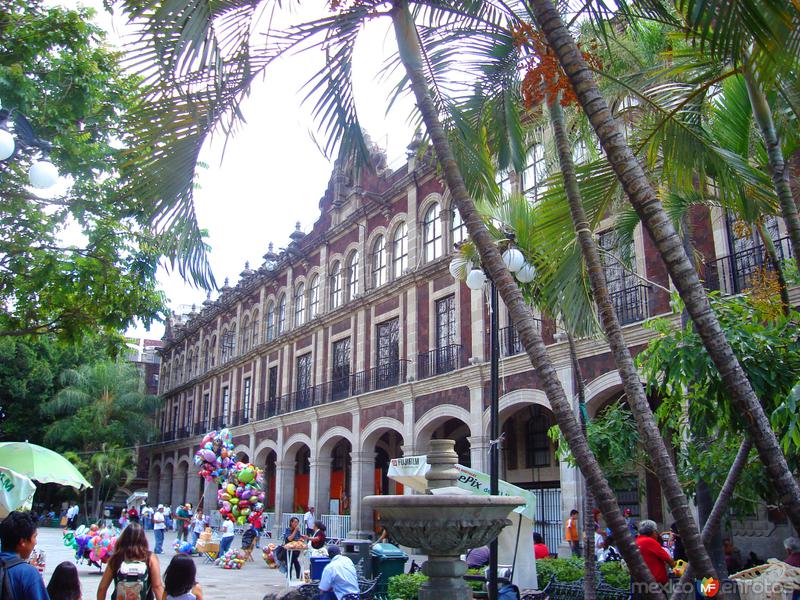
(213, 352)
(244, 344)
(299, 305)
(282, 315)
(313, 297)
(255, 328)
(206, 356)
(400, 250)
(379, 262)
(432, 233)
(352, 275)
(270, 321)
(190, 365)
(229, 343)
(458, 231)
(336, 285)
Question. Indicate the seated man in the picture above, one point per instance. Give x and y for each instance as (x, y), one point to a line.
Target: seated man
(18, 538)
(339, 577)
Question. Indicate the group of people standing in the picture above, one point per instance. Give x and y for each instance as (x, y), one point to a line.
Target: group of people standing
(133, 571)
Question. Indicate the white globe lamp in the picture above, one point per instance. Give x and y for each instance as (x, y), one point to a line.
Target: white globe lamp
(6, 144)
(513, 259)
(526, 274)
(476, 278)
(43, 174)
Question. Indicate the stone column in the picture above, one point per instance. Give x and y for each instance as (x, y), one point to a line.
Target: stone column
(194, 488)
(479, 452)
(178, 484)
(362, 484)
(319, 493)
(209, 490)
(284, 487)
(153, 485)
(165, 488)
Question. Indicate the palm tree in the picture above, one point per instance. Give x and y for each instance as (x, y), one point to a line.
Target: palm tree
(101, 403)
(634, 390)
(645, 201)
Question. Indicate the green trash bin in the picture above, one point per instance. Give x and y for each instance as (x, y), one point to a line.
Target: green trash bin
(387, 561)
(358, 552)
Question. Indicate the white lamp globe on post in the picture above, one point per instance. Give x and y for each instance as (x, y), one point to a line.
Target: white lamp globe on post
(526, 274)
(43, 174)
(7, 144)
(513, 259)
(476, 279)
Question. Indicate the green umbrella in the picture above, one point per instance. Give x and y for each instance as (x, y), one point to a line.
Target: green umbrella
(40, 464)
(16, 492)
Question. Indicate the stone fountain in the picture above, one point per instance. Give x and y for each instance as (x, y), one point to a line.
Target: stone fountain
(444, 523)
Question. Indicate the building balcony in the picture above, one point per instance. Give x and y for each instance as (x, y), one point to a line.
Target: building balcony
(168, 436)
(510, 344)
(200, 428)
(733, 274)
(220, 422)
(241, 417)
(632, 303)
(182, 432)
(440, 360)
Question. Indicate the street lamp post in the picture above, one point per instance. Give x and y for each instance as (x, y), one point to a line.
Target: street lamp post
(475, 278)
(42, 173)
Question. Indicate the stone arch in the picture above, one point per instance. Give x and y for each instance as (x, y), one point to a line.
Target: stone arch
(425, 425)
(292, 445)
(509, 402)
(600, 389)
(376, 428)
(426, 203)
(331, 437)
(241, 449)
(262, 451)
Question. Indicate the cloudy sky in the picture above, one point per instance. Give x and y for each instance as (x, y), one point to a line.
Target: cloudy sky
(272, 173)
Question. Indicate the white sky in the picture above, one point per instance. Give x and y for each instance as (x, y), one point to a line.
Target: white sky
(272, 174)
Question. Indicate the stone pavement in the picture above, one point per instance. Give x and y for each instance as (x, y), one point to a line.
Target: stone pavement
(250, 583)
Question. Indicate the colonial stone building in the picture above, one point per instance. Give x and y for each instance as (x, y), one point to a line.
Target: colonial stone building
(355, 345)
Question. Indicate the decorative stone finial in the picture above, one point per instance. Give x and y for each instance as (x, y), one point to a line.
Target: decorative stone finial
(297, 235)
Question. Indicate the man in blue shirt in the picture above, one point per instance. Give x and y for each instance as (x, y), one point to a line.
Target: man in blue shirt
(18, 539)
(339, 576)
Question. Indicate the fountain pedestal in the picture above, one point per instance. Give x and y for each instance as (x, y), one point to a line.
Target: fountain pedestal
(445, 525)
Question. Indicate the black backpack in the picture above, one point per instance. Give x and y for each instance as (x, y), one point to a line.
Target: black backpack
(6, 592)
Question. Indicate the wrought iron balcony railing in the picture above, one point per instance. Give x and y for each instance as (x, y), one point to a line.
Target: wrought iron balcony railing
(439, 361)
(509, 340)
(735, 273)
(632, 303)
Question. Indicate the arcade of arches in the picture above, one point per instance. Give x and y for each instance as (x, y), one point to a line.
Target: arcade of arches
(334, 469)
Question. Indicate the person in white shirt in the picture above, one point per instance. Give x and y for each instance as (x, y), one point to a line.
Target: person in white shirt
(198, 525)
(339, 576)
(159, 526)
(309, 519)
(168, 516)
(72, 516)
(227, 536)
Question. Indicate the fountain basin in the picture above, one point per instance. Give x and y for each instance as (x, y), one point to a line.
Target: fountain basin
(444, 525)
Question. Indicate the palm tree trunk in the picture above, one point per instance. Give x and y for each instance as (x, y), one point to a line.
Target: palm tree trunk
(634, 391)
(410, 55)
(720, 506)
(651, 212)
(589, 562)
(775, 263)
(777, 165)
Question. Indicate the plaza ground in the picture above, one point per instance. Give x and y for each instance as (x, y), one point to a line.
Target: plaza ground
(250, 583)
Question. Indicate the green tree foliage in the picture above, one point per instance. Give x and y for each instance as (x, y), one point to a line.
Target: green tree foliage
(81, 261)
(29, 377)
(107, 469)
(101, 403)
(678, 370)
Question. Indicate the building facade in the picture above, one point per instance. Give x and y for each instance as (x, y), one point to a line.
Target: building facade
(354, 345)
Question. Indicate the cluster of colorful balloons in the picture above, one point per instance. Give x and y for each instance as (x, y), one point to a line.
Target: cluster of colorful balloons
(268, 554)
(241, 499)
(93, 543)
(215, 456)
(232, 559)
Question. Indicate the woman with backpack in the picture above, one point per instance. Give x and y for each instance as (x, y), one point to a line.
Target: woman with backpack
(132, 568)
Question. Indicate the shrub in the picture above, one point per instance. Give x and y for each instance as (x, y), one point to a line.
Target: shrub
(477, 586)
(615, 574)
(564, 569)
(406, 587)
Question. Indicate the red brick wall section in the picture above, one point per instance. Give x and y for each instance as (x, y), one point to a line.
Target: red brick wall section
(428, 187)
(377, 220)
(463, 297)
(290, 430)
(241, 439)
(442, 282)
(422, 317)
(267, 434)
(387, 305)
(393, 410)
(655, 271)
(367, 337)
(457, 396)
(341, 326)
(341, 420)
(339, 245)
(306, 341)
(702, 236)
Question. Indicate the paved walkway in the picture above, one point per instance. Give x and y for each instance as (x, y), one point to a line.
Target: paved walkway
(249, 583)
